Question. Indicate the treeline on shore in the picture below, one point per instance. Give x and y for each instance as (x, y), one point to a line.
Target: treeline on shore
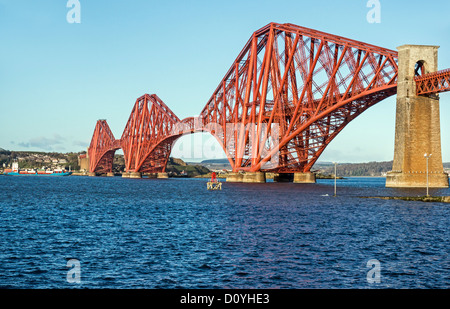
(36, 159)
(177, 167)
(355, 169)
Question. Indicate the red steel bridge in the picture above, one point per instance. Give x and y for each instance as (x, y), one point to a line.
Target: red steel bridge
(287, 95)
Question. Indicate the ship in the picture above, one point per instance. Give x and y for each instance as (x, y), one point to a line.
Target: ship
(15, 171)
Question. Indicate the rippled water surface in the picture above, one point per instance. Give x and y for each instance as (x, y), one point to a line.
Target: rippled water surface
(173, 233)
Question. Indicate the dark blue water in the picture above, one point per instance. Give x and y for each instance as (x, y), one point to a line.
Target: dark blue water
(155, 233)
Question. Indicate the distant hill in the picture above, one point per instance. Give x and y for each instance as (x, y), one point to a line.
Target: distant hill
(216, 164)
(215, 161)
(355, 169)
(324, 168)
(177, 167)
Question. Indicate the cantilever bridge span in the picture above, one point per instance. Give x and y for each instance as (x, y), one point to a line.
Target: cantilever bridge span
(287, 95)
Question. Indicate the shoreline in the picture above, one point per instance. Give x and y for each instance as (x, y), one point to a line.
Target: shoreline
(438, 199)
(223, 176)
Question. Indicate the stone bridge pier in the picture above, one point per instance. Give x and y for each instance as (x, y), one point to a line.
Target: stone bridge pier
(417, 127)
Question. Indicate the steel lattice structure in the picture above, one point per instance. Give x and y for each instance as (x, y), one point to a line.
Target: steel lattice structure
(287, 95)
(102, 148)
(311, 84)
(147, 139)
(433, 82)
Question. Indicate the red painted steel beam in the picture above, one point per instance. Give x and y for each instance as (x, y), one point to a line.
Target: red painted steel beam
(433, 83)
(306, 83)
(148, 136)
(102, 148)
(287, 95)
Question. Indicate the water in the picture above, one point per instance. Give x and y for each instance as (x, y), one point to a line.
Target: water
(156, 233)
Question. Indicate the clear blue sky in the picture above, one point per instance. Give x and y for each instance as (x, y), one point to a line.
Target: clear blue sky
(57, 78)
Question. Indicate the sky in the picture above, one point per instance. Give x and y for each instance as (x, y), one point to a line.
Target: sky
(58, 78)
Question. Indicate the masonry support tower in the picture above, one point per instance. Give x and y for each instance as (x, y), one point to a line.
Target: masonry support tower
(417, 128)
